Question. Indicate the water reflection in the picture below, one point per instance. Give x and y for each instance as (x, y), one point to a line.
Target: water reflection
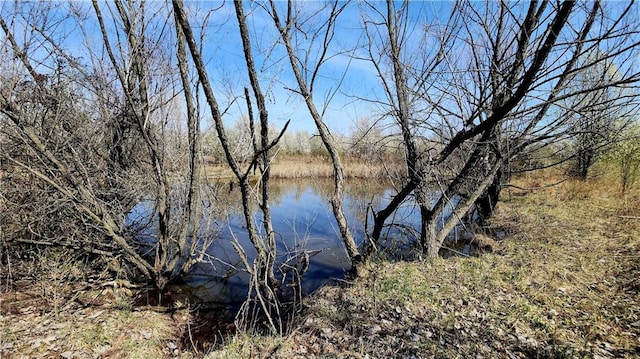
(303, 221)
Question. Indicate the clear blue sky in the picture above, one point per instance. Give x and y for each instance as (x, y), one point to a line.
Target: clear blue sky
(223, 52)
(343, 78)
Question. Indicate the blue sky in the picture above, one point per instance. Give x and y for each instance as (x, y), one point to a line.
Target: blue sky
(357, 79)
(224, 54)
(343, 78)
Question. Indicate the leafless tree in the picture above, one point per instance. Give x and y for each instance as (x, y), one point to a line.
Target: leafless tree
(545, 121)
(293, 28)
(388, 29)
(625, 156)
(496, 103)
(265, 285)
(598, 118)
(119, 134)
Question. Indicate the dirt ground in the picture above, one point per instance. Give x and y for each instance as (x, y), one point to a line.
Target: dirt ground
(93, 323)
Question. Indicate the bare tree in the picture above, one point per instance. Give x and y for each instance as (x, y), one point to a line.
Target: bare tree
(596, 118)
(28, 106)
(496, 103)
(539, 122)
(117, 136)
(367, 140)
(262, 270)
(625, 156)
(306, 74)
(173, 255)
(401, 76)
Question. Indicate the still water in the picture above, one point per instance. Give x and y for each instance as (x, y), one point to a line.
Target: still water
(303, 221)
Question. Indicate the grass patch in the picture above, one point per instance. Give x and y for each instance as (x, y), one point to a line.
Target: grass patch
(561, 284)
(88, 332)
(62, 308)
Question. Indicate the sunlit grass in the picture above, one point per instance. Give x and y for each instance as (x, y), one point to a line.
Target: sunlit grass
(246, 346)
(560, 284)
(293, 167)
(87, 332)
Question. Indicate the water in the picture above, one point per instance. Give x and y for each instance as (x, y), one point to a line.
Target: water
(303, 221)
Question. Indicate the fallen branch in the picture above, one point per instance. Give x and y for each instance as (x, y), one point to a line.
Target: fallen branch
(535, 188)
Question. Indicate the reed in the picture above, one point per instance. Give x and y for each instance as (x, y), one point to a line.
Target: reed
(309, 166)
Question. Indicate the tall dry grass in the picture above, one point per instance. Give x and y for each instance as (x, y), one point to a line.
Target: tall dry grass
(307, 166)
(603, 185)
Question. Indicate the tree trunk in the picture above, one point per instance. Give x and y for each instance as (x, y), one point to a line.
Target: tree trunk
(306, 91)
(486, 204)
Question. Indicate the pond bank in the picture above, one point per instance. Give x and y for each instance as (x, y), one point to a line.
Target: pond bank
(314, 166)
(562, 283)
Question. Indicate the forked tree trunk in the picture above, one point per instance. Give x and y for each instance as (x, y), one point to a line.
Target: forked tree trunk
(262, 269)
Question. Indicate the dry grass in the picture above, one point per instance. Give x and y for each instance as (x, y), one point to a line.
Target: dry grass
(54, 310)
(86, 332)
(105, 331)
(562, 284)
(294, 167)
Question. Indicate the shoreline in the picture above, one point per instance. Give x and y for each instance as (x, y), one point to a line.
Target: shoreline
(307, 166)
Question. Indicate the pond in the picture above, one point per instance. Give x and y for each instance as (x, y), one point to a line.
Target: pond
(303, 221)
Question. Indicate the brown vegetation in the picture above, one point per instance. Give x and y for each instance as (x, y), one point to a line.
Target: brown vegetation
(310, 166)
(561, 282)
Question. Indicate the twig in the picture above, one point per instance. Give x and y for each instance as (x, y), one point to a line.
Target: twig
(535, 188)
(343, 281)
(455, 251)
(193, 345)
